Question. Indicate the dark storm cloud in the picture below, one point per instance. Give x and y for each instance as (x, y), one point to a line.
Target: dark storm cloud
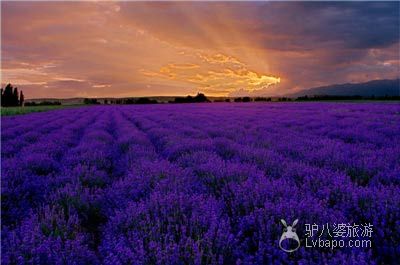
(308, 25)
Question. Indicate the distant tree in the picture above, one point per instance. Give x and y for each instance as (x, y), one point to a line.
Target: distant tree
(180, 100)
(146, 101)
(105, 101)
(129, 101)
(15, 101)
(7, 95)
(262, 99)
(30, 103)
(227, 100)
(89, 101)
(303, 98)
(42, 103)
(284, 99)
(199, 98)
(21, 98)
(243, 99)
(49, 103)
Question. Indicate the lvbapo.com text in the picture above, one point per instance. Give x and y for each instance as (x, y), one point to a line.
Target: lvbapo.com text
(334, 243)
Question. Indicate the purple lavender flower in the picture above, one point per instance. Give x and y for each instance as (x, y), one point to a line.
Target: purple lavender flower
(198, 184)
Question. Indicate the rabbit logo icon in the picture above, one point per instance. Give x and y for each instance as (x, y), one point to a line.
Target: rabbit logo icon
(289, 234)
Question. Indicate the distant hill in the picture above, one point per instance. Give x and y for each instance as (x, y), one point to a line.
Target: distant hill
(377, 88)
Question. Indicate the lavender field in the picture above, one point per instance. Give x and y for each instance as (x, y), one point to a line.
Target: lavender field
(198, 183)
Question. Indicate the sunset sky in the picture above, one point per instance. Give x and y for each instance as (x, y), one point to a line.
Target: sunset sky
(119, 49)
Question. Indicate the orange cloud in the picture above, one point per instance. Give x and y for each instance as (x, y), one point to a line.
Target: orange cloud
(215, 73)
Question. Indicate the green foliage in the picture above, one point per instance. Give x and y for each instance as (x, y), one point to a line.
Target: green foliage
(6, 111)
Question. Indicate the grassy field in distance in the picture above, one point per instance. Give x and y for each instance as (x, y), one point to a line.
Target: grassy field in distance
(6, 111)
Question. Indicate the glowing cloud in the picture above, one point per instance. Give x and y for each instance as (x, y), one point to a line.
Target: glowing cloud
(216, 73)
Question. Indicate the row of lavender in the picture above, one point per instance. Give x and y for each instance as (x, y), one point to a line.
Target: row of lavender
(198, 184)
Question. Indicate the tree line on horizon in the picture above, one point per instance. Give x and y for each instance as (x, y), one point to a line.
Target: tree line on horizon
(43, 103)
(10, 96)
(336, 97)
(199, 98)
(94, 101)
